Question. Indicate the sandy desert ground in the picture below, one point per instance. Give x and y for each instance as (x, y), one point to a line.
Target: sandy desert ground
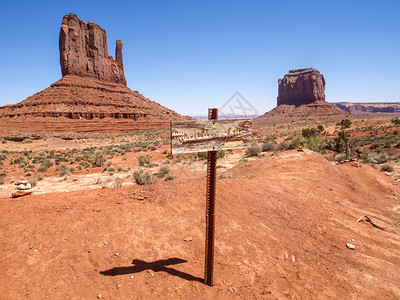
(284, 219)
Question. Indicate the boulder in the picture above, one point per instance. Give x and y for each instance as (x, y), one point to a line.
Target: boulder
(17, 194)
(302, 86)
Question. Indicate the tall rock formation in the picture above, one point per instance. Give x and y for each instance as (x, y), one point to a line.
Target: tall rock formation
(92, 94)
(302, 86)
(301, 96)
(83, 51)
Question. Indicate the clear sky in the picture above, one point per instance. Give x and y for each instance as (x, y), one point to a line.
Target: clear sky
(191, 55)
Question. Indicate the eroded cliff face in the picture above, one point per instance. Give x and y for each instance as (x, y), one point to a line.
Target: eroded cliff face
(302, 86)
(84, 52)
(93, 88)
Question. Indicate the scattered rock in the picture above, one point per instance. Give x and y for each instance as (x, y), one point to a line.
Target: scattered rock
(105, 243)
(188, 239)
(27, 186)
(119, 286)
(116, 254)
(132, 276)
(350, 246)
(17, 194)
(99, 296)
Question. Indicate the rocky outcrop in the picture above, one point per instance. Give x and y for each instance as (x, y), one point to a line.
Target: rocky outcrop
(302, 86)
(84, 52)
(92, 94)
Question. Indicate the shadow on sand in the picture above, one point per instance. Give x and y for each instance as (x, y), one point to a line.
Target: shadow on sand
(156, 266)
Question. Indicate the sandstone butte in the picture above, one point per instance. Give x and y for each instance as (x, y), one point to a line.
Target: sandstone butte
(91, 95)
(301, 96)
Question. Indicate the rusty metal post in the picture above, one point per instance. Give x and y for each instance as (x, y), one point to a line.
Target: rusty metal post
(210, 208)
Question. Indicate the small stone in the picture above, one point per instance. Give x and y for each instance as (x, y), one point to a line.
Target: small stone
(188, 239)
(116, 254)
(140, 198)
(26, 186)
(350, 246)
(119, 286)
(99, 296)
(21, 193)
(132, 276)
(105, 243)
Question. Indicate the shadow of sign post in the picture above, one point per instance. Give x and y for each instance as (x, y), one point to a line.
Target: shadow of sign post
(210, 135)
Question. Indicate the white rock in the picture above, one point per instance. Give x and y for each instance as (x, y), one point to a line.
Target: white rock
(350, 246)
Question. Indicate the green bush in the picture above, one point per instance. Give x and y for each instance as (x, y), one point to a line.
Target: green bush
(99, 159)
(269, 146)
(45, 165)
(284, 145)
(374, 146)
(143, 160)
(387, 168)
(314, 143)
(142, 178)
(62, 170)
(163, 171)
(253, 150)
(297, 142)
(377, 157)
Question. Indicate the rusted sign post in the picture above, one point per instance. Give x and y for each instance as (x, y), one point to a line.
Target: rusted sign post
(210, 136)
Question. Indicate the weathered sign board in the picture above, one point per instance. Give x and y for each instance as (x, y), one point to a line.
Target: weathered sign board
(209, 135)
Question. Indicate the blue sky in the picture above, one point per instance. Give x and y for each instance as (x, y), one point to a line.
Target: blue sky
(191, 55)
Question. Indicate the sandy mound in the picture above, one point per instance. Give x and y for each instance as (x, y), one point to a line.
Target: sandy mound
(282, 227)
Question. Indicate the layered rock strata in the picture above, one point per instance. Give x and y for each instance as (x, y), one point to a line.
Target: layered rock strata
(302, 86)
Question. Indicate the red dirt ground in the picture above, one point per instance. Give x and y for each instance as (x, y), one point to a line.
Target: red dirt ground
(282, 225)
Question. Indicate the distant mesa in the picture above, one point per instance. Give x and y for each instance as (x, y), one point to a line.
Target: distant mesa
(371, 109)
(93, 88)
(302, 86)
(301, 96)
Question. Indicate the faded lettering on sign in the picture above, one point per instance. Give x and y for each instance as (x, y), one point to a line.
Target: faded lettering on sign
(209, 135)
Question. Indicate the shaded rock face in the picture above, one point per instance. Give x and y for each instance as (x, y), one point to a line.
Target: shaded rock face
(84, 52)
(302, 86)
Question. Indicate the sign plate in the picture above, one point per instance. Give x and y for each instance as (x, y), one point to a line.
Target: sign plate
(209, 135)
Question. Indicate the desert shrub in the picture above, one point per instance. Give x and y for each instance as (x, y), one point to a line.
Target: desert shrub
(3, 174)
(314, 143)
(320, 128)
(163, 171)
(99, 159)
(387, 168)
(310, 132)
(118, 183)
(3, 156)
(142, 178)
(20, 160)
(169, 177)
(284, 145)
(45, 165)
(377, 157)
(220, 154)
(297, 141)
(120, 168)
(62, 170)
(151, 147)
(253, 150)
(143, 160)
(202, 155)
(166, 162)
(345, 123)
(374, 146)
(269, 146)
(340, 157)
